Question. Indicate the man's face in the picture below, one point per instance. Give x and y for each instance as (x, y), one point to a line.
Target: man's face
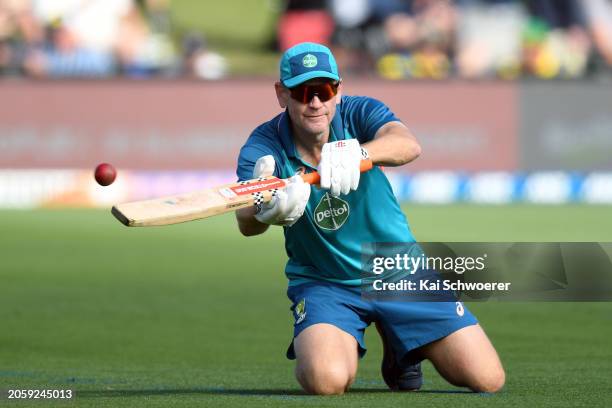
(310, 115)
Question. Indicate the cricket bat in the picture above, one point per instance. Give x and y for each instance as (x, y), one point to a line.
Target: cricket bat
(206, 203)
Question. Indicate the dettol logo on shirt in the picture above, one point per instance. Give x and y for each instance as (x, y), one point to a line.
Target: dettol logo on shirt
(331, 212)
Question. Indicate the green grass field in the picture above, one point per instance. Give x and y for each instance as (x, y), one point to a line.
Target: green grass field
(196, 315)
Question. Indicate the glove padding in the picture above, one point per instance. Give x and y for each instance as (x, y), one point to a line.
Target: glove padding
(339, 166)
(288, 205)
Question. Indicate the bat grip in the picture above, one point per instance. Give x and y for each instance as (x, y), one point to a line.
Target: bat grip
(314, 178)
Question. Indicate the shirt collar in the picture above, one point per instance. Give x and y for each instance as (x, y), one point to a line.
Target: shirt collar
(284, 130)
(337, 129)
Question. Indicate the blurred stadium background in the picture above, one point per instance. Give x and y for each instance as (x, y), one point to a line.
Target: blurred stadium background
(511, 100)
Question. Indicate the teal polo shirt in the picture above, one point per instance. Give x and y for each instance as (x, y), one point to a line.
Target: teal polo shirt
(326, 242)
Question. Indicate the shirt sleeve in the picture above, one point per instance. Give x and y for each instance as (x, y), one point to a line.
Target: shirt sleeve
(364, 116)
(261, 142)
(249, 154)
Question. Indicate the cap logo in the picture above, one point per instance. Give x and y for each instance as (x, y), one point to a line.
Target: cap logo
(309, 61)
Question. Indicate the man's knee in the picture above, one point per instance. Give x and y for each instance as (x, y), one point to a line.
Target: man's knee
(489, 381)
(467, 358)
(325, 378)
(326, 359)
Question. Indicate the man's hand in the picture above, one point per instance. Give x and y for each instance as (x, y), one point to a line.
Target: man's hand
(339, 166)
(288, 205)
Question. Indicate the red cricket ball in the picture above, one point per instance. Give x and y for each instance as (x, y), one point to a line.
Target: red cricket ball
(105, 174)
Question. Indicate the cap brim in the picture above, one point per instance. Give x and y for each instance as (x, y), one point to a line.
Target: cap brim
(290, 83)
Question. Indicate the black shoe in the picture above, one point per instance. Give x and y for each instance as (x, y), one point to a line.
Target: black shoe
(398, 377)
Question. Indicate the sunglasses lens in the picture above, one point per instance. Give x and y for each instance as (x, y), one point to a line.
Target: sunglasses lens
(305, 93)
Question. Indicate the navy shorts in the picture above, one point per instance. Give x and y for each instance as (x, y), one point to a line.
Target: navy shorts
(408, 325)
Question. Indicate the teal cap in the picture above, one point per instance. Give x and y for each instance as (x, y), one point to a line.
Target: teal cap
(306, 61)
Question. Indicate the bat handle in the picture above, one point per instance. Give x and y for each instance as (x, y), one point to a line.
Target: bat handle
(314, 178)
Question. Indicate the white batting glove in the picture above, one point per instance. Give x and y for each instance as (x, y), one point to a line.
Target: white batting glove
(339, 166)
(288, 205)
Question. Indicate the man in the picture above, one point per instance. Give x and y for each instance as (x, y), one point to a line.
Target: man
(325, 228)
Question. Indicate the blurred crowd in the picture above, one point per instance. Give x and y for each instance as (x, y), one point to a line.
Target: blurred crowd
(436, 39)
(431, 39)
(98, 39)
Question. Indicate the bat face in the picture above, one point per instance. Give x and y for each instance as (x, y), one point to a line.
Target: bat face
(198, 204)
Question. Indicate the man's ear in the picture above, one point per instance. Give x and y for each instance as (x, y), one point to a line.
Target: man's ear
(339, 94)
(282, 94)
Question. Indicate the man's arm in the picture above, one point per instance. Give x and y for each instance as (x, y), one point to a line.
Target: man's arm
(394, 145)
(247, 224)
(285, 208)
